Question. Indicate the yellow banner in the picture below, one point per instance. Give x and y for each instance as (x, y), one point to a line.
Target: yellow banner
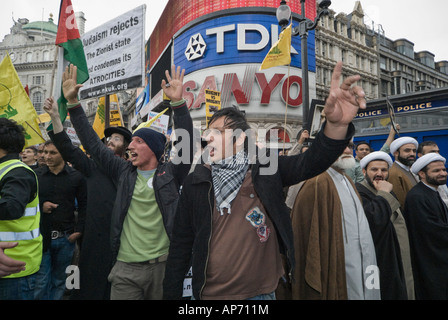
(280, 53)
(148, 123)
(15, 103)
(115, 115)
(212, 103)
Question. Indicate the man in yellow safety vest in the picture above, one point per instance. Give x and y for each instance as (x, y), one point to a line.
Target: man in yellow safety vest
(20, 238)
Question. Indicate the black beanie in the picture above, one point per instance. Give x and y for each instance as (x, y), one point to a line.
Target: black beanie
(155, 140)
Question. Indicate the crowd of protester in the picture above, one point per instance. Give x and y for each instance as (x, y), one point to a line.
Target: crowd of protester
(330, 220)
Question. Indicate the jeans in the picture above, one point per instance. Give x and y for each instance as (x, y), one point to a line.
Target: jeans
(18, 288)
(265, 296)
(50, 282)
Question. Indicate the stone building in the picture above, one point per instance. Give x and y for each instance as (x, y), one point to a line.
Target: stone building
(32, 50)
(31, 46)
(342, 37)
(387, 67)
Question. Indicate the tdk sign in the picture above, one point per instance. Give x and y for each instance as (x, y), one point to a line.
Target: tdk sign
(244, 38)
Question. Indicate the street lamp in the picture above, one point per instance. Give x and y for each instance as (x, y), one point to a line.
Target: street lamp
(305, 25)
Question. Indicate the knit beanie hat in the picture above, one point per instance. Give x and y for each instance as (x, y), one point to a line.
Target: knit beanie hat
(155, 140)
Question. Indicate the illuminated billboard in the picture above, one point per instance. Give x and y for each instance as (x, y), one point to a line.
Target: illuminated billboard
(235, 39)
(178, 13)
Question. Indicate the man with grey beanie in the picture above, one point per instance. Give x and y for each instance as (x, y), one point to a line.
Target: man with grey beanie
(147, 192)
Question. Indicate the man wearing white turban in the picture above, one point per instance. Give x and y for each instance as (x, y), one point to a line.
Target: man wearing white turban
(404, 150)
(427, 221)
(388, 228)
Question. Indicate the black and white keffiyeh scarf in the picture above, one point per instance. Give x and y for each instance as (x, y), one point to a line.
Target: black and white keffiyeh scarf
(228, 176)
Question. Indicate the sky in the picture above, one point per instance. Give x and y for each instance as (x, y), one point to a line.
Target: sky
(422, 22)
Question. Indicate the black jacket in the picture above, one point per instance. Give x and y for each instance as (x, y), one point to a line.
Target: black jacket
(193, 223)
(167, 179)
(17, 189)
(427, 221)
(387, 247)
(95, 254)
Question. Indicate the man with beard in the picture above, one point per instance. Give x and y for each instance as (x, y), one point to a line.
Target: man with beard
(388, 228)
(334, 248)
(404, 150)
(427, 147)
(427, 220)
(95, 257)
(118, 140)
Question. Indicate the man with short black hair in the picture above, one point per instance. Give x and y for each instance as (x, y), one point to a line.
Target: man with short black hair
(20, 238)
(362, 149)
(29, 157)
(232, 223)
(63, 203)
(427, 147)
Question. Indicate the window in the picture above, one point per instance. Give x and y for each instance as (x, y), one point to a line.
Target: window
(343, 55)
(29, 57)
(37, 101)
(37, 80)
(46, 55)
(383, 63)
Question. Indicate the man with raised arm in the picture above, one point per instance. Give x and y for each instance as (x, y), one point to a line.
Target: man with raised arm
(147, 191)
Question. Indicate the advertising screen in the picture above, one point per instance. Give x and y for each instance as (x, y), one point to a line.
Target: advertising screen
(179, 13)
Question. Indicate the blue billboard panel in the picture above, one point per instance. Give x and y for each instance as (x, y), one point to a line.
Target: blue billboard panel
(245, 38)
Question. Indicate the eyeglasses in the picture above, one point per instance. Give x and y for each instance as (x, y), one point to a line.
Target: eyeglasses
(114, 138)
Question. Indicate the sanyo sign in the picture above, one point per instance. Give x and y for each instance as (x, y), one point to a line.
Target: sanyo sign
(234, 39)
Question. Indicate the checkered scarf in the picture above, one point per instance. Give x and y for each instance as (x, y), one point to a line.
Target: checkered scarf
(228, 176)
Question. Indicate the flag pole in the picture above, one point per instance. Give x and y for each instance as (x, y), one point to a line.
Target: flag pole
(286, 109)
(107, 111)
(39, 134)
(53, 71)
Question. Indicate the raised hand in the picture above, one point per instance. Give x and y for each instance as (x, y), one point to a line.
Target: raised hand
(51, 107)
(173, 89)
(343, 103)
(69, 84)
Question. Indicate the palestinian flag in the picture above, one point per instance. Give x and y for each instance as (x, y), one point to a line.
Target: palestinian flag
(71, 51)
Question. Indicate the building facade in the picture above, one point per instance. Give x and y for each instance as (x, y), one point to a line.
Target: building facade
(342, 37)
(31, 46)
(32, 51)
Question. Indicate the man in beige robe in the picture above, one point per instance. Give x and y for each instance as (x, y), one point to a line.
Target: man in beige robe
(334, 250)
(404, 150)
